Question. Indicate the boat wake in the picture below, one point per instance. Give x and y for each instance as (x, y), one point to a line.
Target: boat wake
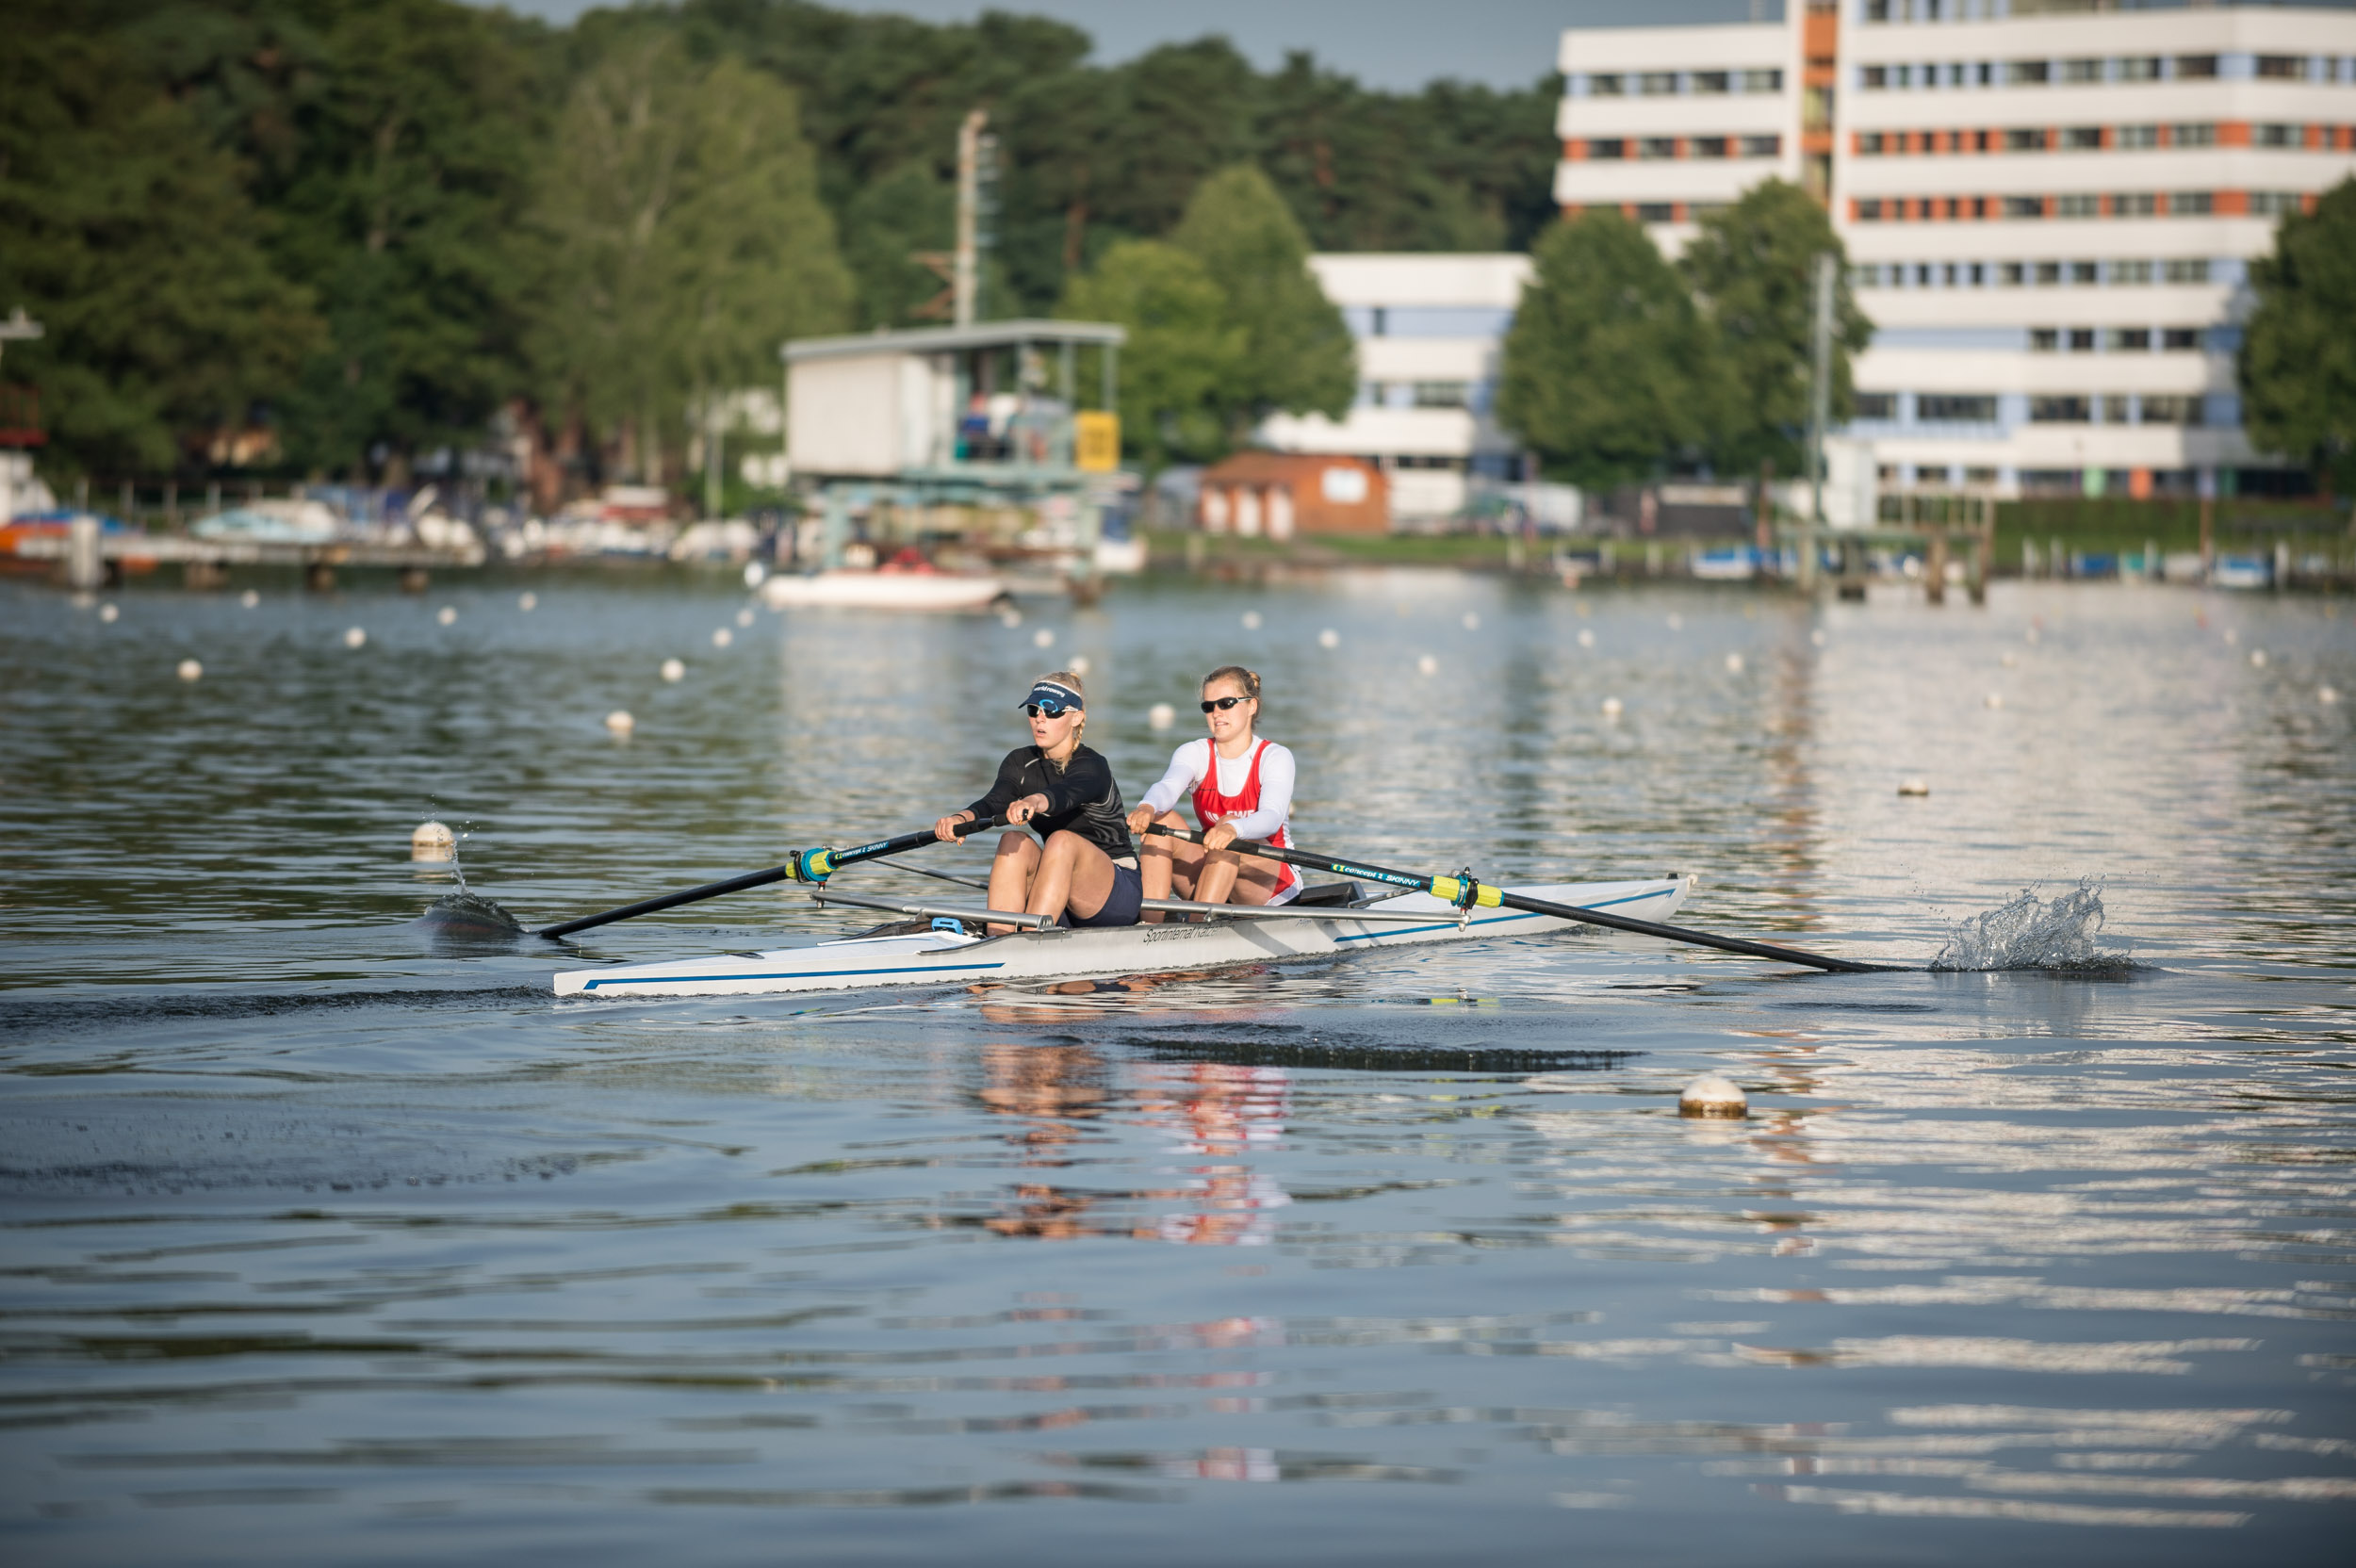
(2033, 933)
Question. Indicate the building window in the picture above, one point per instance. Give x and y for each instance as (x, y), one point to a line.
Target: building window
(2190, 203)
(2202, 135)
(2279, 135)
(1441, 394)
(2127, 340)
(2081, 340)
(2189, 67)
(1867, 276)
(1654, 212)
(1933, 408)
(2027, 72)
(2060, 411)
(2134, 204)
(1876, 10)
(2082, 70)
(2012, 274)
(1870, 210)
(2273, 203)
(2127, 272)
(1873, 77)
(1877, 405)
(1658, 84)
(2020, 141)
(2193, 270)
(2024, 206)
(2135, 137)
(2114, 410)
(1608, 85)
(1869, 144)
(1708, 146)
(2086, 272)
(1379, 322)
(2049, 272)
(1373, 394)
(2082, 138)
(1657, 147)
(2170, 410)
(1762, 81)
(2077, 204)
(2140, 68)
(2179, 340)
(2044, 340)
(1710, 81)
(1762, 146)
(2284, 68)
(1607, 148)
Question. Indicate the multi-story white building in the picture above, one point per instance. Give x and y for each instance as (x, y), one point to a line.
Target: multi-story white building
(2050, 208)
(1431, 330)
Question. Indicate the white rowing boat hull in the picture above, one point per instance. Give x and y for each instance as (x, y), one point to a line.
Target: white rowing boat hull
(848, 590)
(943, 957)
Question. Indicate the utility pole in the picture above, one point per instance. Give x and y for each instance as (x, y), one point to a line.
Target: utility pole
(1819, 416)
(967, 279)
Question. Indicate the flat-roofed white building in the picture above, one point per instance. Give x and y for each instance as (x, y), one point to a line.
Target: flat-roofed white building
(2050, 210)
(1430, 330)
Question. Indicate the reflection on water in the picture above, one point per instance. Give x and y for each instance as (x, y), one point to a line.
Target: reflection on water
(330, 1238)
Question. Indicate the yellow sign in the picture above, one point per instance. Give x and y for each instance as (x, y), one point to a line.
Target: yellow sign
(1096, 442)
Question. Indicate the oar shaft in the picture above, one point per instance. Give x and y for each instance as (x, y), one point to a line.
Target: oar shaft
(1533, 906)
(806, 866)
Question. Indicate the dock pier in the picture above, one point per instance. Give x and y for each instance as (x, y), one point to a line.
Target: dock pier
(88, 558)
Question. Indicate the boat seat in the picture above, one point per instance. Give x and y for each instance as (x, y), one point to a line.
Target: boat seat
(1323, 894)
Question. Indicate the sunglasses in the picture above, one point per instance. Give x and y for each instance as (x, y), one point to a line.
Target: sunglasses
(1050, 710)
(1222, 704)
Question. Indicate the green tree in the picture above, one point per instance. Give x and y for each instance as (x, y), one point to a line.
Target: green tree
(1182, 348)
(2297, 360)
(129, 237)
(1752, 270)
(1608, 369)
(683, 203)
(1297, 353)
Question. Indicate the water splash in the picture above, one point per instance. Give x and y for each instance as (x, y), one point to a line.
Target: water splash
(466, 917)
(2032, 933)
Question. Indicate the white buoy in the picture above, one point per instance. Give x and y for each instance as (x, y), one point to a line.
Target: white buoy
(191, 670)
(1428, 665)
(1817, 637)
(447, 615)
(1914, 786)
(2327, 696)
(722, 637)
(2231, 637)
(107, 614)
(1043, 638)
(1994, 699)
(355, 638)
(2257, 658)
(528, 601)
(673, 670)
(755, 574)
(2011, 660)
(1713, 1096)
(1611, 708)
(620, 721)
(1734, 664)
(744, 617)
(1586, 638)
(2032, 635)
(1472, 621)
(1328, 638)
(433, 841)
(1160, 716)
(1080, 664)
(1011, 617)
(1251, 620)
(249, 598)
(1676, 623)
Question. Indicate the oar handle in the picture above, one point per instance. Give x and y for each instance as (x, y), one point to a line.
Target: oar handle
(1454, 891)
(808, 865)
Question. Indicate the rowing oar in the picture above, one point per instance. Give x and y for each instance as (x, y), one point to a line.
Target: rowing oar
(807, 865)
(1466, 894)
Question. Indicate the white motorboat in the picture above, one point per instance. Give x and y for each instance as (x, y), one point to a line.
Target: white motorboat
(935, 945)
(846, 589)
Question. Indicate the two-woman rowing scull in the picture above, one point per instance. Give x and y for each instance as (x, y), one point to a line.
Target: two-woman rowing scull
(1085, 873)
(1242, 788)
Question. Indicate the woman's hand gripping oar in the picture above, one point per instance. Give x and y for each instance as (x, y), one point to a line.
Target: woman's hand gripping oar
(808, 865)
(1466, 894)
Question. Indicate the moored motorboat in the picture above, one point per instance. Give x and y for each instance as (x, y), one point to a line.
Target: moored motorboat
(951, 950)
(847, 589)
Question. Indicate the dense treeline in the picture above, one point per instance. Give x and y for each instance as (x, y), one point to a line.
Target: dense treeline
(370, 225)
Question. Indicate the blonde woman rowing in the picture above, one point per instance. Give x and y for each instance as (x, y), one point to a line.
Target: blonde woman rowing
(1242, 788)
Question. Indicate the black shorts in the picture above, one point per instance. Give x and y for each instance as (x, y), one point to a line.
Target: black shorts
(1120, 905)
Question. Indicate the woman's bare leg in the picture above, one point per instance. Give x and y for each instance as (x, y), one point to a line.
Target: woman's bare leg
(1163, 863)
(1227, 877)
(1010, 875)
(1072, 874)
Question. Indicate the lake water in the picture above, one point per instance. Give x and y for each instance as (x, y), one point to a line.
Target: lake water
(327, 1240)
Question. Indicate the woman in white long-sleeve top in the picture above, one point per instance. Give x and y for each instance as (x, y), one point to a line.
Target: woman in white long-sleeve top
(1242, 788)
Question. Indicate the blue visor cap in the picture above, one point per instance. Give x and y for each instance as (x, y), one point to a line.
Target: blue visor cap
(1052, 697)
